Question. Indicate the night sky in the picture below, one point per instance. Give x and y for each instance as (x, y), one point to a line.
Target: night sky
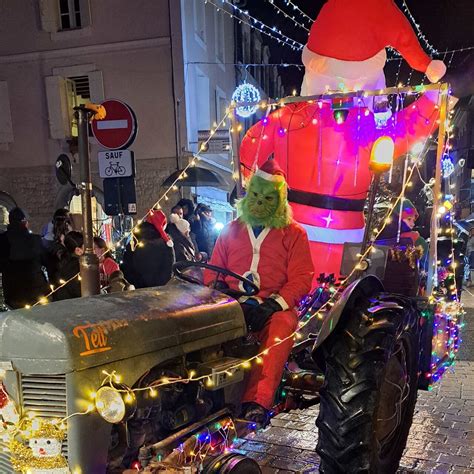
(447, 24)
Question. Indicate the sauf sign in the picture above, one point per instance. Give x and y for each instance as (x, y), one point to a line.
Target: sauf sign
(115, 163)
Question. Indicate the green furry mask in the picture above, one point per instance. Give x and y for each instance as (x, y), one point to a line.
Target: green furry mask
(266, 204)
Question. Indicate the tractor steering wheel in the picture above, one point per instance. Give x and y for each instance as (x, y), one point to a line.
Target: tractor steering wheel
(178, 268)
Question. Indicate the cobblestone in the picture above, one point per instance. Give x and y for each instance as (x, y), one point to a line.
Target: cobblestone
(441, 439)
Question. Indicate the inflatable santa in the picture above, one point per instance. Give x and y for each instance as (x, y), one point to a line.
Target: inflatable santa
(325, 146)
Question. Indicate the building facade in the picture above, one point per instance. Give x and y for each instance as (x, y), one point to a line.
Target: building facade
(151, 54)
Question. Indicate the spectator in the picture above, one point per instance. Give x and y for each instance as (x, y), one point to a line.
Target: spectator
(180, 231)
(107, 265)
(204, 229)
(177, 210)
(69, 267)
(151, 262)
(188, 209)
(53, 242)
(21, 259)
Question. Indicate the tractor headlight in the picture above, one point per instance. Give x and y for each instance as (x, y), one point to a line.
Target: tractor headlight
(115, 404)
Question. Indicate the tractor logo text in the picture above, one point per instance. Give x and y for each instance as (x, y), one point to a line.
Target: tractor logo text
(94, 338)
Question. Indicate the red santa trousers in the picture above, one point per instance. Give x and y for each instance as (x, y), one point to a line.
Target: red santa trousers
(265, 378)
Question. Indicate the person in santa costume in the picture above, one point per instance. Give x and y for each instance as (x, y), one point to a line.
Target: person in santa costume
(265, 245)
(324, 146)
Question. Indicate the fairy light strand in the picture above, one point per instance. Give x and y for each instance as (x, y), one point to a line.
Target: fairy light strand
(280, 11)
(253, 24)
(299, 10)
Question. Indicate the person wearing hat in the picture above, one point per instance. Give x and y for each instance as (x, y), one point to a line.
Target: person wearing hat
(325, 146)
(150, 262)
(265, 245)
(21, 259)
(179, 230)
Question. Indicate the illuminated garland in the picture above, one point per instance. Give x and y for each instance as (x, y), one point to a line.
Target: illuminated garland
(119, 244)
(254, 22)
(419, 33)
(301, 12)
(286, 15)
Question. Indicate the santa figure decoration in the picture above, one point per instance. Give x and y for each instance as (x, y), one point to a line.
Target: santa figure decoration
(43, 454)
(266, 246)
(324, 147)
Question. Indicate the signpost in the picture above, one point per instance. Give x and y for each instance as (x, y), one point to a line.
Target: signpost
(119, 128)
(116, 164)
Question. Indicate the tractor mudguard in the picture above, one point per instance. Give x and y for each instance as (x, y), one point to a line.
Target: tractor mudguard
(367, 287)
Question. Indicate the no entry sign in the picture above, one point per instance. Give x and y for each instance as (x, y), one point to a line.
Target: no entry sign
(118, 129)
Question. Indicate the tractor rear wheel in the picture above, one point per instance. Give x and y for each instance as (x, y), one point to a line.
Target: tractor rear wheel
(370, 389)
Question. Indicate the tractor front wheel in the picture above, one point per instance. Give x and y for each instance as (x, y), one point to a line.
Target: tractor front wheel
(370, 389)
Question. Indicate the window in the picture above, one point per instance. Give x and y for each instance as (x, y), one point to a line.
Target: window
(220, 39)
(200, 20)
(70, 14)
(70, 87)
(221, 104)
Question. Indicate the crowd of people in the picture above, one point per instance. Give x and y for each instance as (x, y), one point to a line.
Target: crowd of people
(31, 264)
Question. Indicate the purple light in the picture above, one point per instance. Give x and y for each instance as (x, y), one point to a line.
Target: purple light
(265, 121)
(281, 132)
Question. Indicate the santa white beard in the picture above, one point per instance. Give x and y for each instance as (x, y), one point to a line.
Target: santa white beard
(325, 74)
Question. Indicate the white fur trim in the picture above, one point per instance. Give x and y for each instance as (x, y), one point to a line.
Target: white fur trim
(170, 243)
(333, 236)
(281, 301)
(268, 176)
(324, 73)
(435, 71)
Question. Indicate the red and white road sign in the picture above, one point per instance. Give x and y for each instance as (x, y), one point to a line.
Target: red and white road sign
(118, 129)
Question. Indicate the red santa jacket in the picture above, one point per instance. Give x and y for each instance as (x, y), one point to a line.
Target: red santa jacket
(278, 260)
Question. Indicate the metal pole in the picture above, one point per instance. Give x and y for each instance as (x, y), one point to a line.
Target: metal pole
(370, 215)
(89, 263)
(235, 136)
(433, 265)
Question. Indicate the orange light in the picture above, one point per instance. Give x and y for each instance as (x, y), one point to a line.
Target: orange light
(381, 156)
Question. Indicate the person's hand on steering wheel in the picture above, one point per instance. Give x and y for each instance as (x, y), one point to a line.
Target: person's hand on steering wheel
(257, 315)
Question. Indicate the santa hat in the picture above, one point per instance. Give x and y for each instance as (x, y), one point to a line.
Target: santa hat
(270, 171)
(158, 219)
(358, 30)
(409, 210)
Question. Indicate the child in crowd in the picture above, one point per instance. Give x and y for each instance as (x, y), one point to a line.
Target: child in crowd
(107, 264)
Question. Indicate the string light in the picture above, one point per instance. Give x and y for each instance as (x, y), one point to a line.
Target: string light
(301, 12)
(286, 15)
(419, 33)
(254, 22)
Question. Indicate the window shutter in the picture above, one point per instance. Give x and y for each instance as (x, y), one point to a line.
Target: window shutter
(96, 86)
(49, 15)
(59, 106)
(6, 128)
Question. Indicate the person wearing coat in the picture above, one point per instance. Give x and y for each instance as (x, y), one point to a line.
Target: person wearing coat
(21, 259)
(179, 230)
(150, 263)
(265, 245)
(69, 267)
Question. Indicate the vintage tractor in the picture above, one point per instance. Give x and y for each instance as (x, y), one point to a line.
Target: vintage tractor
(150, 380)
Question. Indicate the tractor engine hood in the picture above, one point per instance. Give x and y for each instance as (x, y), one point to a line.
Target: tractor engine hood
(81, 333)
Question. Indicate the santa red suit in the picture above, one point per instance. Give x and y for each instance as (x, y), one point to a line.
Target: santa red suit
(279, 261)
(326, 160)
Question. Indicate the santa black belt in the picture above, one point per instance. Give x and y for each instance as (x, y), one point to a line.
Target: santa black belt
(324, 201)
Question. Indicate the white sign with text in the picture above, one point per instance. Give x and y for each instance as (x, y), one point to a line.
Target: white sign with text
(115, 163)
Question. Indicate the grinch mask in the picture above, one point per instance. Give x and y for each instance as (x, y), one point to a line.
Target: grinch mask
(265, 204)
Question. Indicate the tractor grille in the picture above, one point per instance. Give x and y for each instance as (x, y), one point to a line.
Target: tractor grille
(45, 395)
(5, 465)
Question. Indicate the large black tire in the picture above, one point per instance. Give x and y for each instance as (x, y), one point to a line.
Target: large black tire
(370, 388)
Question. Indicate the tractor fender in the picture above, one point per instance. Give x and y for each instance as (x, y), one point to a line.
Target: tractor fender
(367, 287)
